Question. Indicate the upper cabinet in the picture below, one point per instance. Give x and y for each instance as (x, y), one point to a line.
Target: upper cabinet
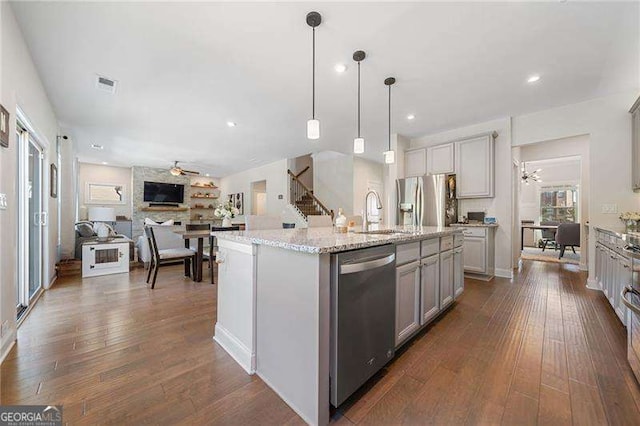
(635, 145)
(474, 166)
(440, 159)
(415, 162)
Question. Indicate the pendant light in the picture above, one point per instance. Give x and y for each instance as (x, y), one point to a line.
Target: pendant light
(313, 126)
(358, 143)
(389, 156)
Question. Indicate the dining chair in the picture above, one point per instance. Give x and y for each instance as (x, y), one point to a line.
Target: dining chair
(549, 235)
(214, 243)
(208, 247)
(255, 222)
(319, 221)
(568, 235)
(158, 257)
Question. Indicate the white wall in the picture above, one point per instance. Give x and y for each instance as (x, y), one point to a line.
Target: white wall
(333, 180)
(365, 172)
(500, 205)
(97, 173)
(21, 86)
(277, 183)
(608, 123)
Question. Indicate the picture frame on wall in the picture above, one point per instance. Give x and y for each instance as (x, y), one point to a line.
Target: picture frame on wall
(4, 127)
(237, 201)
(53, 181)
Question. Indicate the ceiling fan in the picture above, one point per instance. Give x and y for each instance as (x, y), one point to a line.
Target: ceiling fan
(179, 171)
(528, 177)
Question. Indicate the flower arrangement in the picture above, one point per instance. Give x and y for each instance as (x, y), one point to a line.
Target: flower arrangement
(630, 220)
(630, 216)
(225, 211)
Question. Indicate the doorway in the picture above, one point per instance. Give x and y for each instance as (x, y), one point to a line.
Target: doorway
(259, 198)
(32, 219)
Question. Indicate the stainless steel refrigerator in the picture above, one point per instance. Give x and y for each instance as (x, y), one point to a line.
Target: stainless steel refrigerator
(427, 200)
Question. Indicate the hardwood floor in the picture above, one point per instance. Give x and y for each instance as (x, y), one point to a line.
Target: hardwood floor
(541, 349)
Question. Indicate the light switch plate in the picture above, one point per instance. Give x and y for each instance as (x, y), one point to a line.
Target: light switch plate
(609, 209)
(3, 201)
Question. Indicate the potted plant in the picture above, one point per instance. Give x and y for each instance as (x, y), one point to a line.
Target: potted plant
(630, 220)
(226, 211)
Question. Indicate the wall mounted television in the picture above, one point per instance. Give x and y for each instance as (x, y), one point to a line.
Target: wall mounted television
(158, 192)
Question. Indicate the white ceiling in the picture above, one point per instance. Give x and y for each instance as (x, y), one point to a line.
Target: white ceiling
(185, 69)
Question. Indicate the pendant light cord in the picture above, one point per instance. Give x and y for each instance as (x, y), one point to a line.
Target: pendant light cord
(389, 117)
(313, 78)
(358, 99)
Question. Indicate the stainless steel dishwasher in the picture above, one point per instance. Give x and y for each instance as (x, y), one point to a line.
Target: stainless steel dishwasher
(363, 305)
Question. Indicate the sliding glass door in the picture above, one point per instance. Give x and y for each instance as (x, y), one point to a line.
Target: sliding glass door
(32, 219)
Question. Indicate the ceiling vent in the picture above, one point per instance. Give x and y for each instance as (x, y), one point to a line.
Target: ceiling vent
(106, 84)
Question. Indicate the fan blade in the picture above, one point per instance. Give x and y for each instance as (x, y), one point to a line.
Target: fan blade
(190, 172)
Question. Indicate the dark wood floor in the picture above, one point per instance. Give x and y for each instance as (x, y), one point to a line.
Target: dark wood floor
(539, 350)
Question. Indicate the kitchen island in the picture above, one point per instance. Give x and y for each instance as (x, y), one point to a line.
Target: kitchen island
(275, 300)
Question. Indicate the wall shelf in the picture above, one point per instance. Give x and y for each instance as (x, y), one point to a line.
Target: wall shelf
(204, 187)
(164, 209)
(200, 196)
(203, 208)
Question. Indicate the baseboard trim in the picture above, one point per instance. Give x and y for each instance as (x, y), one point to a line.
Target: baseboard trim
(593, 284)
(235, 348)
(12, 341)
(504, 273)
(479, 277)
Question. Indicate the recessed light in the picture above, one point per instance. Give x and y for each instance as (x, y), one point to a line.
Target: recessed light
(410, 117)
(104, 163)
(533, 78)
(97, 146)
(340, 68)
(231, 124)
(206, 174)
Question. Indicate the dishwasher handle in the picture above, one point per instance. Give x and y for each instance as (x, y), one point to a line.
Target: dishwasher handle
(633, 307)
(351, 268)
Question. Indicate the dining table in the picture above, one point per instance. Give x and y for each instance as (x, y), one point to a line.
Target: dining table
(533, 227)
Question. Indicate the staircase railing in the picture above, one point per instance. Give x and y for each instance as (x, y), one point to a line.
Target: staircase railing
(299, 191)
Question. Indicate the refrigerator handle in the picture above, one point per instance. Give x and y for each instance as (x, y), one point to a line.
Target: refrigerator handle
(398, 198)
(421, 202)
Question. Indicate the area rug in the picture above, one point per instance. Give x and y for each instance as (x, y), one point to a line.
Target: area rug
(550, 255)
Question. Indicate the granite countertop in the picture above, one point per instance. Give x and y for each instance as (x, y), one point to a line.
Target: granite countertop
(474, 225)
(326, 240)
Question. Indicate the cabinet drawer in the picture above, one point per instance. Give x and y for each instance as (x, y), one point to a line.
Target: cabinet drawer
(458, 239)
(446, 243)
(406, 253)
(430, 247)
(474, 232)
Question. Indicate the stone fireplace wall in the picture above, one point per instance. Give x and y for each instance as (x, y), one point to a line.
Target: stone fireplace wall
(141, 174)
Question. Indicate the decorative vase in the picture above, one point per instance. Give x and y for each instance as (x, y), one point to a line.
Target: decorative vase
(631, 225)
(226, 222)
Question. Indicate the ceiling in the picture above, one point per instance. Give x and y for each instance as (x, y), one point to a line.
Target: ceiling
(185, 69)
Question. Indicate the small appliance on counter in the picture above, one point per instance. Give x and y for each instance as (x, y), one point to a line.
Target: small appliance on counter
(475, 217)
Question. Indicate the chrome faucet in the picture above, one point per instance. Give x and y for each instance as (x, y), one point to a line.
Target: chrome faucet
(365, 220)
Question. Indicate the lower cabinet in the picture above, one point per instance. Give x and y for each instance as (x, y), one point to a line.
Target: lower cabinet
(613, 273)
(407, 301)
(446, 278)
(430, 286)
(458, 272)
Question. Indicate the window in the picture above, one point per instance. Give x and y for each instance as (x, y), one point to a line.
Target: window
(559, 204)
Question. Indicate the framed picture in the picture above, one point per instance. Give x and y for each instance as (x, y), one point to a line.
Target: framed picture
(53, 183)
(237, 200)
(4, 127)
(104, 193)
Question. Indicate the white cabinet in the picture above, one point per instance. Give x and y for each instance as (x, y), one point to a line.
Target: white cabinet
(430, 288)
(104, 258)
(415, 162)
(407, 300)
(440, 159)
(635, 145)
(613, 271)
(474, 167)
(458, 272)
(446, 278)
(479, 251)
